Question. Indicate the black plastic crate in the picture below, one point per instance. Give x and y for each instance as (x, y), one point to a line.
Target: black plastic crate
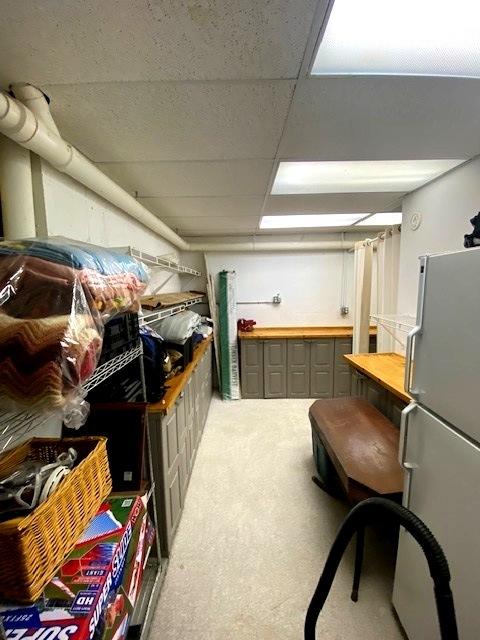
(185, 348)
(125, 385)
(121, 334)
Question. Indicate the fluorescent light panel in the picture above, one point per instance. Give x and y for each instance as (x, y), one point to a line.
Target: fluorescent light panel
(313, 220)
(357, 176)
(381, 219)
(407, 37)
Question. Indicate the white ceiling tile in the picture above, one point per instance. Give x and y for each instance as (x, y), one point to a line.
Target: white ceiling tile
(332, 203)
(222, 178)
(383, 118)
(66, 41)
(193, 226)
(172, 121)
(230, 207)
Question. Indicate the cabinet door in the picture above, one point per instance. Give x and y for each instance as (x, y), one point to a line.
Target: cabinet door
(184, 468)
(298, 369)
(170, 442)
(321, 368)
(275, 368)
(252, 368)
(174, 499)
(376, 395)
(342, 382)
(171, 475)
(396, 408)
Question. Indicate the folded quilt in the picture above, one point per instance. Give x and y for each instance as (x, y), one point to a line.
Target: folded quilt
(41, 389)
(40, 288)
(78, 256)
(43, 360)
(36, 288)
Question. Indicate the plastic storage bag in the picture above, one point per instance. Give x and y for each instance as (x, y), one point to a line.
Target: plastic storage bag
(179, 327)
(55, 297)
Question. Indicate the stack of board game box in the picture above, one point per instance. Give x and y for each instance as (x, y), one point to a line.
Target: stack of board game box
(94, 593)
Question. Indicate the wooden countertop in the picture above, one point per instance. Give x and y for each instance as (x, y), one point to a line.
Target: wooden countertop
(388, 369)
(275, 333)
(176, 385)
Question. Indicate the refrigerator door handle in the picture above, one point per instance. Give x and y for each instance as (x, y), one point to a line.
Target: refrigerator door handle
(417, 329)
(404, 432)
(409, 360)
(402, 452)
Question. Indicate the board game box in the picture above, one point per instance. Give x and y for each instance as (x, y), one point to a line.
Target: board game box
(74, 605)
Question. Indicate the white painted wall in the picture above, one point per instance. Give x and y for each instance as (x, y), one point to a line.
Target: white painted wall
(74, 211)
(309, 284)
(446, 206)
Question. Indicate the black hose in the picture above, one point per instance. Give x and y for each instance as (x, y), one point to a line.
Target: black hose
(370, 512)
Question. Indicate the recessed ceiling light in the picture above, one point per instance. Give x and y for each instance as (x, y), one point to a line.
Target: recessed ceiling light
(381, 219)
(411, 37)
(313, 220)
(357, 176)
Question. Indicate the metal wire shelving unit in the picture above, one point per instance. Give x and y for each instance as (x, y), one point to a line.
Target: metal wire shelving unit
(160, 261)
(155, 316)
(15, 425)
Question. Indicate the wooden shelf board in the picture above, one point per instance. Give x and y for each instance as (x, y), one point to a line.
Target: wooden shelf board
(276, 333)
(388, 369)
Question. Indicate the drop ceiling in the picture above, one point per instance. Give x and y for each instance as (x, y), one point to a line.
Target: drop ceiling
(192, 104)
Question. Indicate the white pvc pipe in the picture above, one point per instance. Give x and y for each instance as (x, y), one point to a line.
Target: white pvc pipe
(318, 245)
(35, 100)
(16, 192)
(19, 124)
(34, 129)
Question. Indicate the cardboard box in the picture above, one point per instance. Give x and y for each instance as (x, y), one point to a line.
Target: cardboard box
(74, 602)
(122, 603)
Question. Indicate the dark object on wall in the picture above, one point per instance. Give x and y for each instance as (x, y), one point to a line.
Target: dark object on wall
(473, 239)
(121, 334)
(124, 427)
(380, 510)
(245, 325)
(154, 359)
(125, 385)
(185, 348)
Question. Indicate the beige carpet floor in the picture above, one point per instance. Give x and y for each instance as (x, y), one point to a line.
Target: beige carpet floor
(254, 536)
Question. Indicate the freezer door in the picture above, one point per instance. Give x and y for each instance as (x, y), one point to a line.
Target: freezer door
(442, 488)
(446, 366)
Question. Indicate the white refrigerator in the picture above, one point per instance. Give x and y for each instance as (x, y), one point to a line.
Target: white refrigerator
(440, 443)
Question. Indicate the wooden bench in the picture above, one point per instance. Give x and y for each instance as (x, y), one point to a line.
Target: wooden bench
(355, 449)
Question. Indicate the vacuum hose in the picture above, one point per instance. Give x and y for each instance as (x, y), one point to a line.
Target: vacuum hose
(369, 512)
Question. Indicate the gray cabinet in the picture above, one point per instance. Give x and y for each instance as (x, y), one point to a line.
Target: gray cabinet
(376, 395)
(174, 439)
(251, 356)
(274, 368)
(321, 368)
(342, 381)
(298, 369)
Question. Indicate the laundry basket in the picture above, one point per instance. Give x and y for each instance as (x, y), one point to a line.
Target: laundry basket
(34, 546)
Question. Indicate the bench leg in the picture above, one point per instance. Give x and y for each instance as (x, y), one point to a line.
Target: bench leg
(324, 487)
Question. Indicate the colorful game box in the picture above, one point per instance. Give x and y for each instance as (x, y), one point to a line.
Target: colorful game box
(119, 610)
(74, 603)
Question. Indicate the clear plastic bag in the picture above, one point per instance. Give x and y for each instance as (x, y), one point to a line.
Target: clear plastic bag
(178, 327)
(55, 297)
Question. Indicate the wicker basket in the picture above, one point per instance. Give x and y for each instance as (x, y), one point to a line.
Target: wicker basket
(33, 547)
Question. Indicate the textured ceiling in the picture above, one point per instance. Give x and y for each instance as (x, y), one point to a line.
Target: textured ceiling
(191, 104)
